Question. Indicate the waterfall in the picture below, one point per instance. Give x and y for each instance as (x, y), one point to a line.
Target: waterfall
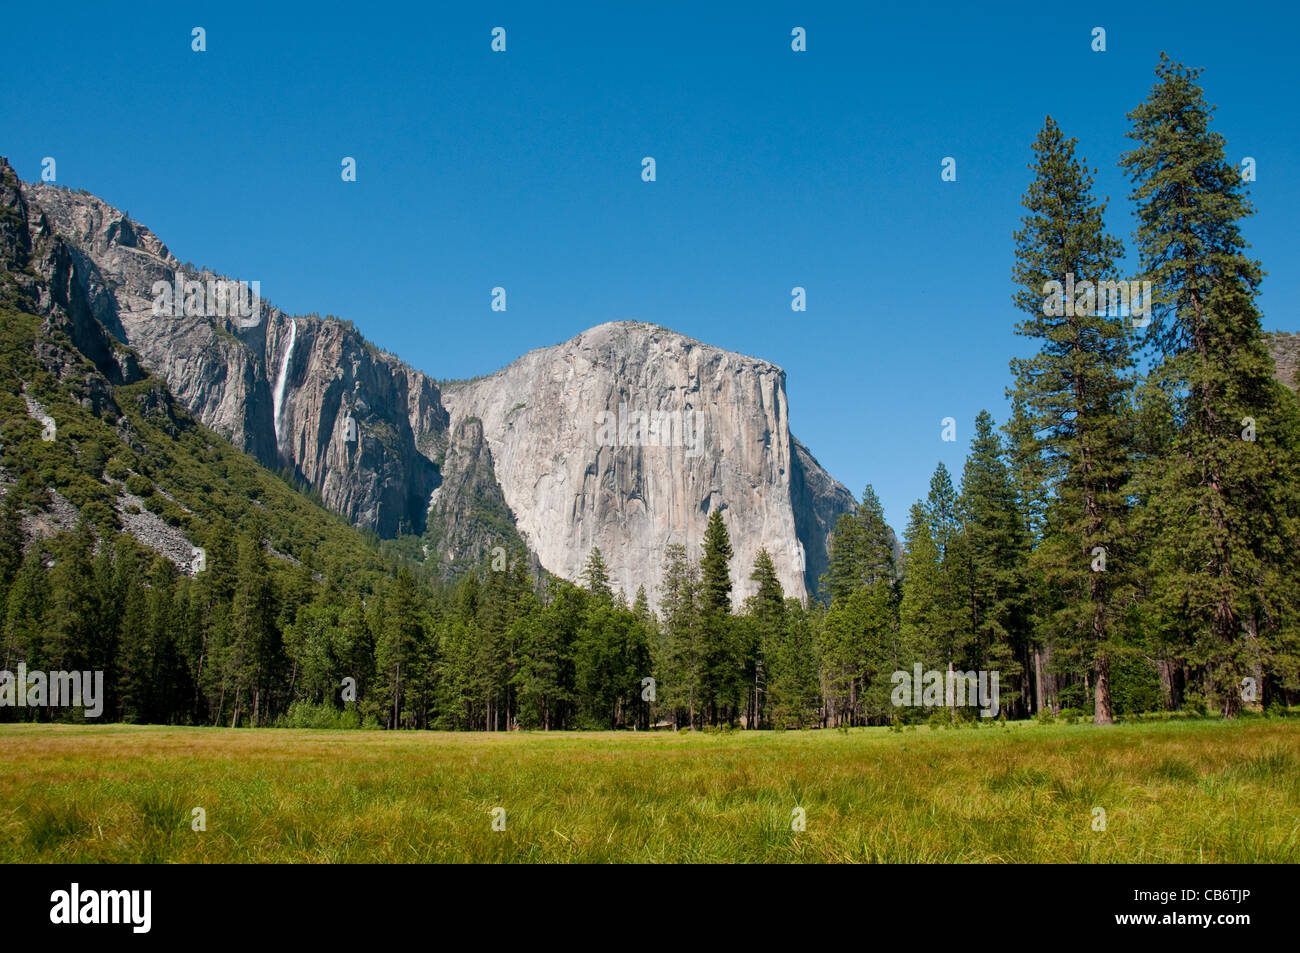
(277, 398)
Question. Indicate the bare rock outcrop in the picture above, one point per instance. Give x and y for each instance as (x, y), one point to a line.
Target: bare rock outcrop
(627, 436)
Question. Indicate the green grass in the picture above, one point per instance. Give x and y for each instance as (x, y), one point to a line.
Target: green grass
(1201, 791)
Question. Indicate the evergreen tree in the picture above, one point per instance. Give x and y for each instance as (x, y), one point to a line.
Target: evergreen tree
(29, 597)
(861, 550)
(1222, 500)
(794, 695)
(722, 689)
(948, 636)
(766, 609)
(1073, 391)
(11, 544)
(641, 605)
(247, 660)
(715, 572)
(404, 653)
(134, 696)
(679, 665)
(546, 678)
(941, 511)
(920, 610)
(994, 550)
(596, 575)
(70, 625)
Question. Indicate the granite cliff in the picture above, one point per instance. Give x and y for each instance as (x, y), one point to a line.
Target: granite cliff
(625, 437)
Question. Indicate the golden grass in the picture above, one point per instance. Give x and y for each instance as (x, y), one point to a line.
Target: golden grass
(1178, 792)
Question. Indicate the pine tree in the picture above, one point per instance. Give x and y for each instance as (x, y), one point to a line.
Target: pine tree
(1222, 500)
(994, 551)
(920, 611)
(941, 510)
(135, 677)
(858, 639)
(70, 626)
(404, 652)
(1029, 476)
(679, 665)
(641, 605)
(715, 571)
(722, 689)
(794, 695)
(766, 609)
(1073, 392)
(11, 544)
(948, 636)
(861, 550)
(29, 597)
(247, 657)
(596, 575)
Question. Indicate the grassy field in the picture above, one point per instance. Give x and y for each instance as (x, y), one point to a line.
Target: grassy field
(1182, 792)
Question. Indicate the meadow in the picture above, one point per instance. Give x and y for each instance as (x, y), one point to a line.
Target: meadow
(1194, 791)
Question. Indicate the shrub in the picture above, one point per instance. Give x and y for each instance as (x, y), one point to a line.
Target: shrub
(304, 714)
(102, 516)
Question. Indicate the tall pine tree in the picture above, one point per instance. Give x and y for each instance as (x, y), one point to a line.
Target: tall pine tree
(1073, 392)
(1223, 497)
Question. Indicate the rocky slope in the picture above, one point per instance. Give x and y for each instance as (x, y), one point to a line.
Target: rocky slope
(278, 387)
(385, 446)
(580, 470)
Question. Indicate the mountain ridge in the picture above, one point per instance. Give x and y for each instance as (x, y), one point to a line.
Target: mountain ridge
(371, 434)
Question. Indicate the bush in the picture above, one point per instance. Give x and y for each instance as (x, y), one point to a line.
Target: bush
(939, 719)
(1135, 686)
(304, 714)
(102, 516)
(138, 485)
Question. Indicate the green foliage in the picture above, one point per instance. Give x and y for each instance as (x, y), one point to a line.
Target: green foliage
(1071, 398)
(1222, 495)
(304, 714)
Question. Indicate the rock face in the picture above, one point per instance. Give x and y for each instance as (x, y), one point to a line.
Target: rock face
(282, 389)
(625, 437)
(468, 514)
(1285, 350)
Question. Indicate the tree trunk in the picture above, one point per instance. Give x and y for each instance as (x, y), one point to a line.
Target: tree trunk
(1038, 679)
(1102, 714)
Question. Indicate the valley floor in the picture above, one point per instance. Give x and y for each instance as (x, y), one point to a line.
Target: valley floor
(1197, 791)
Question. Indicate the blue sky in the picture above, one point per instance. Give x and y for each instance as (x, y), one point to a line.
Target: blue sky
(523, 169)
